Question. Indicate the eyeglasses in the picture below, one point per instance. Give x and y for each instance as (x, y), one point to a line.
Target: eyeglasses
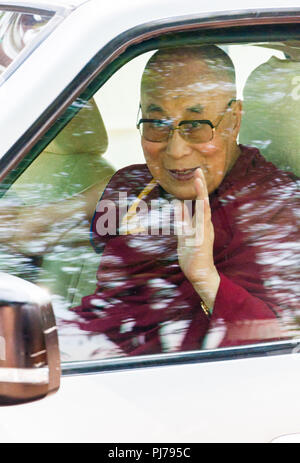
(193, 131)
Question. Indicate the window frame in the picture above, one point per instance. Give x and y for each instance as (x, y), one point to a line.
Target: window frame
(180, 358)
(107, 61)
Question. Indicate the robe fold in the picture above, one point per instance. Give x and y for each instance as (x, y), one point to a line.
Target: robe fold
(144, 303)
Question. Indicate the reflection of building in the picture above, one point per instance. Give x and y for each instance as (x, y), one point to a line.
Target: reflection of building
(16, 31)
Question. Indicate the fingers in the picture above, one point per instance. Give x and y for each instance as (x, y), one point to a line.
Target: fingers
(193, 228)
(202, 193)
(199, 222)
(190, 231)
(183, 220)
(200, 184)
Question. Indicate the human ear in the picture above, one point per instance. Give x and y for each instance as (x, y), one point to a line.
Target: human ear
(236, 115)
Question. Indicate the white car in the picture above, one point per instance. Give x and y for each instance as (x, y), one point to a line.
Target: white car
(57, 58)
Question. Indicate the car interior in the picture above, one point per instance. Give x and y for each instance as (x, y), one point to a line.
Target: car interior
(69, 165)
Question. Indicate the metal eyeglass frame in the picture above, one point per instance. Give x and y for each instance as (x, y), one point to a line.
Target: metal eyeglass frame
(172, 129)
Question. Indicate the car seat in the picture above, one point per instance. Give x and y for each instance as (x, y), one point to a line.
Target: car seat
(70, 164)
(271, 112)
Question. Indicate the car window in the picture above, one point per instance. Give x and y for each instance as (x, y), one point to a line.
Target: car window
(17, 31)
(141, 258)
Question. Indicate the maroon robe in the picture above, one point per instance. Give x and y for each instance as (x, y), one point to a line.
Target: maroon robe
(142, 294)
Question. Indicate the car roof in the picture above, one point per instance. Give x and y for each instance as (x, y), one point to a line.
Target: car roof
(172, 7)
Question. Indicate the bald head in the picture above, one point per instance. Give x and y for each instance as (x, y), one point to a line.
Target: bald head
(198, 68)
(183, 85)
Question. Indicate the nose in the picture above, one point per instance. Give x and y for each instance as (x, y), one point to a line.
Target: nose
(177, 147)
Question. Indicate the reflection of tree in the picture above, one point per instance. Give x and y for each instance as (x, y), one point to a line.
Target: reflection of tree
(16, 31)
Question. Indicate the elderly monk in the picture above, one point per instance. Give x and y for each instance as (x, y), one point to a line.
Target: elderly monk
(229, 276)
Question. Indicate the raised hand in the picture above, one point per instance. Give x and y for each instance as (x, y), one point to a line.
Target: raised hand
(195, 243)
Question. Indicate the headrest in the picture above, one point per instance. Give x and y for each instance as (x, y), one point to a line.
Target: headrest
(85, 133)
(271, 117)
(70, 164)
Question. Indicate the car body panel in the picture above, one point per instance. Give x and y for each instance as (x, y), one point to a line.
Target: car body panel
(231, 401)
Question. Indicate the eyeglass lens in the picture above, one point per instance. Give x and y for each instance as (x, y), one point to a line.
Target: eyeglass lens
(193, 132)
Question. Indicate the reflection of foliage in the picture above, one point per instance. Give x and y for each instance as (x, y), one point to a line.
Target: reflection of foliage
(18, 264)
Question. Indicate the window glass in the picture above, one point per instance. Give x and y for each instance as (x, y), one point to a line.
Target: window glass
(170, 223)
(46, 215)
(17, 30)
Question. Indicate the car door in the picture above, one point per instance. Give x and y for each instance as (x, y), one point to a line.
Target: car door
(243, 392)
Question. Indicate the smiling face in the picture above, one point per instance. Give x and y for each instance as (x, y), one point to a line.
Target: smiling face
(181, 86)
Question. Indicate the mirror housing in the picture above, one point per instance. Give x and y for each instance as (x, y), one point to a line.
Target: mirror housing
(29, 351)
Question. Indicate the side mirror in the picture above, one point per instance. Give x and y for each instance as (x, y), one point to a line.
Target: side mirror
(29, 352)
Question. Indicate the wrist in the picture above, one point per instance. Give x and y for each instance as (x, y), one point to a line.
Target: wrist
(207, 288)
